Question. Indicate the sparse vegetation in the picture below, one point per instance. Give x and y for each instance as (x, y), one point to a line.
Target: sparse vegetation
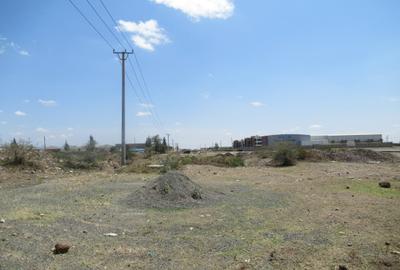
(22, 154)
(285, 155)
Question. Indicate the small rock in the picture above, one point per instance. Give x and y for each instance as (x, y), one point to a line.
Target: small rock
(2, 220)
(84, 231)
(191, 228)
(60, 248)
(347, 187)
(342, 267)
(349, 244)
(396, 252)
(384, 184)
(111, 234)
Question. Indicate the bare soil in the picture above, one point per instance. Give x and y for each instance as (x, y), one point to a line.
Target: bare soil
(310, 216)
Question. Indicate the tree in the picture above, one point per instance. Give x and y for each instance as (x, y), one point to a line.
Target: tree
(148, 142)
(14, 142)
(66, 146)
(91, 145)
(164, 145)
(216, 146)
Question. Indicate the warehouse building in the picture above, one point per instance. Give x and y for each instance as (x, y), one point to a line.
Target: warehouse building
(297, 139)
(306, 140)
(350, 140)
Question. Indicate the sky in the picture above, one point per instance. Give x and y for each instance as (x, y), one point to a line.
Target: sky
(215, 70)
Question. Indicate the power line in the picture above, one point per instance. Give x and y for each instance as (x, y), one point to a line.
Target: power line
(89, 22)
(105, 24)
(140, 100)
(149, 97)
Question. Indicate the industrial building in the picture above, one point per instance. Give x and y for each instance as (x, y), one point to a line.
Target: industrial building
(350, 140)
(306, 140)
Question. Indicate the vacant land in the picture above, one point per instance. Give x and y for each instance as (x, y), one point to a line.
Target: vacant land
(310, 216)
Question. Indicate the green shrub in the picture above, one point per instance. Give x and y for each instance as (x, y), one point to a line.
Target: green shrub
(80, 160)
(302, 154)
(21, 154)
(285, 155)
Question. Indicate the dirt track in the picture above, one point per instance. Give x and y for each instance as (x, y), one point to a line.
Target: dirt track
(311, 216)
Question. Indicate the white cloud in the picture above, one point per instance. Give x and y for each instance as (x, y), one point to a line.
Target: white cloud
(143, 114)
(392, 99)
(256, 104)
(27, 101)
(66, 136)
(196, 9)
(19, 133)
(41, 130)
(70, 129)
(47, 103)
(147, 105)
(5, 44)
(24, 52)
(19, 113)
(3, 122)
(205, 95)
(315, 126)
(146, 35)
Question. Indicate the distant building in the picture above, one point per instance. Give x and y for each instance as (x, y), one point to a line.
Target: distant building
(350, 140)
(306, 140)
(297, 139)
(133, 147)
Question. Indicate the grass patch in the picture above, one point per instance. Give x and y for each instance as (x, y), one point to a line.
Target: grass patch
(372, 188)
(26, 214)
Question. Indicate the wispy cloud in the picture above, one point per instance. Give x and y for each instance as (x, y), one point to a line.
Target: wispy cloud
(147, 105)
(3, 122)
(24, 52)
(6, 44)
(315, 126)
(197, 9)
(70, 129)
(27, 101)
(41, 130)
(205, 95)
(19, 113)
(256, 104)
(47, 103)
(143, 114)
(145, 35)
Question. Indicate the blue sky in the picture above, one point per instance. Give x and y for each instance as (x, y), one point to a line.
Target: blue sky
(216, 69)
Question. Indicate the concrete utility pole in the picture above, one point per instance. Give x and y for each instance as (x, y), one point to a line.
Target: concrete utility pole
(168, 139)
(123, 56)
(44, 143)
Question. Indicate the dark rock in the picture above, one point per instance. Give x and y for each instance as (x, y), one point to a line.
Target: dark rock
(384, 184)
(342, 267)
(61, 248)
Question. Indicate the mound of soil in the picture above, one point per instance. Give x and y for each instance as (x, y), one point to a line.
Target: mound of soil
(349, 155)
(171, 190)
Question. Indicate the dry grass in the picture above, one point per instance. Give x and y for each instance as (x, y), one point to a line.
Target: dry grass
(299, 217)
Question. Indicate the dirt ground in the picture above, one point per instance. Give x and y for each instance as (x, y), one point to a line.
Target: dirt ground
(310, 216)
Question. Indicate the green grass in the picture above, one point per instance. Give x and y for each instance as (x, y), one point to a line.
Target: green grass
(372, 188)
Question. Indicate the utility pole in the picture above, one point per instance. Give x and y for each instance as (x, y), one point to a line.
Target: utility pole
(123, 56)
(168, 139)
(44, 143)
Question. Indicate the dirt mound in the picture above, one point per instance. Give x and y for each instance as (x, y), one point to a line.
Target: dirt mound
(349, 155)
(171, 190)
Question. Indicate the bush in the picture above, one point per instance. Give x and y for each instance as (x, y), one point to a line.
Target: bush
(302, 154)
(21, 154)
(80, 160)
(285, 155)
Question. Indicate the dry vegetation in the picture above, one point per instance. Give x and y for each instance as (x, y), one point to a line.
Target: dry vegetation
(242, 210)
